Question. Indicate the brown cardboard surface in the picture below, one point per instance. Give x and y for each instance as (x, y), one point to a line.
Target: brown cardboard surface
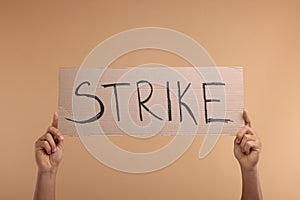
(127, 119)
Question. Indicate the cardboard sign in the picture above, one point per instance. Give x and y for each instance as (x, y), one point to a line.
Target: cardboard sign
(146, 101)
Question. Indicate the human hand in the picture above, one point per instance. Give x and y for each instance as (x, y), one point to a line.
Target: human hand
(49, 148)
(247, 145)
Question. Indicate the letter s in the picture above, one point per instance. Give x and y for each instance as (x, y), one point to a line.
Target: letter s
(92, 119)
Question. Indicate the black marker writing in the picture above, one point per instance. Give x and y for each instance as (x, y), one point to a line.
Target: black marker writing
(169, 102)
(92, 119)
(114, 85)
(207, 119)
(181, 103)
(142, 103)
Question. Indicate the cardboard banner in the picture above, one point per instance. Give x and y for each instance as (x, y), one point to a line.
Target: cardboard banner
(147, 101)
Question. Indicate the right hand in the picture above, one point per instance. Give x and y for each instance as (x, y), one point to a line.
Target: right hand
(247, 145)
(49, 148)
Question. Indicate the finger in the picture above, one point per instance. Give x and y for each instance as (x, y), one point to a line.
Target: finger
(251, 146)
(55, 120)
(44, 145)
(49, 138)
(55, 133)
(248, 147)
(246, 138)
(60, 144)
(246, 118)
(240, 134)
(237, 140)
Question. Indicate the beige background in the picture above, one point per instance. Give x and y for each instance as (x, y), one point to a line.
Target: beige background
(37, 37)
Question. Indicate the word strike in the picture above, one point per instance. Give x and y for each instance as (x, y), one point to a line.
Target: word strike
(142, 102)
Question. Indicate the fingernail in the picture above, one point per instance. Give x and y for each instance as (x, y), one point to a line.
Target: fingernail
(61, 137)
(237, 141)
(54, 150)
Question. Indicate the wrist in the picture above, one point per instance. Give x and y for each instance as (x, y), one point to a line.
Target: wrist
(48, 172)
(47, 177)
(249, 170)
(45, 185)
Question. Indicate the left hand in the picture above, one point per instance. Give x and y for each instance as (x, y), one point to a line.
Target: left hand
(49, 148)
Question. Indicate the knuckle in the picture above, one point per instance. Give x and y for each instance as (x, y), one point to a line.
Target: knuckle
(45, 143)
(248, 128)
(49, 137)
(53, 130)
(240, 134)
(248, 144)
